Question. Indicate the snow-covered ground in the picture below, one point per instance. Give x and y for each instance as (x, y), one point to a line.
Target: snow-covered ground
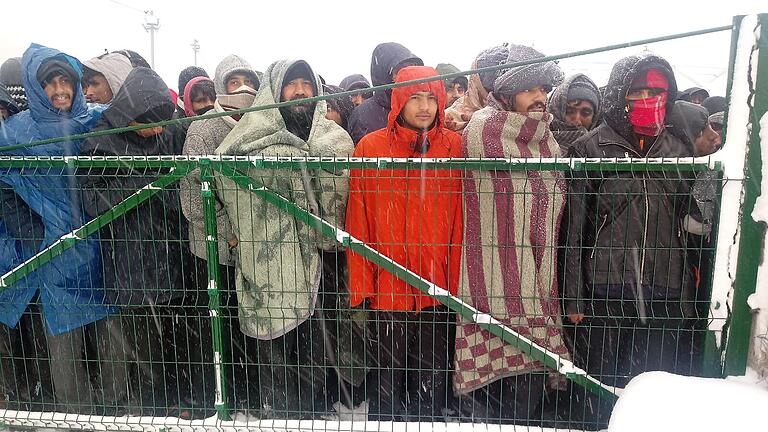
(660, 402)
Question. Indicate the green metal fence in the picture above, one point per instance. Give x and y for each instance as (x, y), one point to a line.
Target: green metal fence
(184, 339)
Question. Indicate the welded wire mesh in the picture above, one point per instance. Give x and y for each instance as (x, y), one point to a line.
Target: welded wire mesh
(295, 319)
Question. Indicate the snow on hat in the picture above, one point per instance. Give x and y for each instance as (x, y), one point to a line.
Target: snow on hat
(521, 78)
(187, 74)
(584, 89)
(493, 56)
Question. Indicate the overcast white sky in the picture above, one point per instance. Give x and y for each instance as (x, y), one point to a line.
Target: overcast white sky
(337, 37)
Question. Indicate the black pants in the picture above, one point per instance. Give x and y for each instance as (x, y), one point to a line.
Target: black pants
(25, 376)
(72, 373)
(409, 356)
(517, 399)
(173, 357)
(619, 343)
(292, 370)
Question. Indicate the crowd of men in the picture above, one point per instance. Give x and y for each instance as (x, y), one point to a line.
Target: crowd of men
(606, 267)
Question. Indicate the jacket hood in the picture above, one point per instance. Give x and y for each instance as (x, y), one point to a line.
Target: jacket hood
(114, 67)
(276, 73)
(558, 101)
(687, 121)
(622, 75)
(259, 130)
(143, 98)
(354, 82)
(6, 101)
(400, 95)
(42, 120)
(188, 94)
(230, 65)
(39, 104)
(385, 59)
(686, 94)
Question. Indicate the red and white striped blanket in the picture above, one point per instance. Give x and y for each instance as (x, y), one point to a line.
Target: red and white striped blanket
(511, 224)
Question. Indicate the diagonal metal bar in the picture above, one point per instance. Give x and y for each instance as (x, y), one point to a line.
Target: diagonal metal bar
(70, 239)
(467, 311)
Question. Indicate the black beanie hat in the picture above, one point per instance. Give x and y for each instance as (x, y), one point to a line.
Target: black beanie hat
(714, 104)
(300, 69)
(186, 76)
(54, 67)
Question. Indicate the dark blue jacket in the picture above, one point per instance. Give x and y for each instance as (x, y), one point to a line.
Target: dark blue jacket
(372, 114)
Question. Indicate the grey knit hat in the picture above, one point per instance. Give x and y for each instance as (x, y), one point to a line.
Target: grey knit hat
(584, 89)
(526, 77)
(493, 56)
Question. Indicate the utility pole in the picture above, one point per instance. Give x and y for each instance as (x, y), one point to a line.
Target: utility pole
(195, 47)
(151, 24)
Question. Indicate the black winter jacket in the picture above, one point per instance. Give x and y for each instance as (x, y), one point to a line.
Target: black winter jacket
(143, 252)
(623, 227)
(372, 114)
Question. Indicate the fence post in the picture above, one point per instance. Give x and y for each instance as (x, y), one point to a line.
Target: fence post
(214, 295)
(750, 251)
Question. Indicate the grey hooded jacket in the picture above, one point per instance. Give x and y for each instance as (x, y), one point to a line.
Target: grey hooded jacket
(230, 65)
(114, 67)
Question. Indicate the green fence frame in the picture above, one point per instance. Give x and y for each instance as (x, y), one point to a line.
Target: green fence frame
(232, 167)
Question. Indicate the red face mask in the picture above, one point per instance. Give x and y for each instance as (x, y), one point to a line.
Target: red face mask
(647, 115)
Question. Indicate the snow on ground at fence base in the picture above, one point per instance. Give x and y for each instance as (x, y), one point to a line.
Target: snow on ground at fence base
(732, 155)
(661, 402)
(759, 300)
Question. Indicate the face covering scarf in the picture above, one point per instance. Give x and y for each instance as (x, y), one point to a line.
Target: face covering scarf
(647, 115)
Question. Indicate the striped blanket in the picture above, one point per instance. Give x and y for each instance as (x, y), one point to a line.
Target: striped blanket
(512, 219)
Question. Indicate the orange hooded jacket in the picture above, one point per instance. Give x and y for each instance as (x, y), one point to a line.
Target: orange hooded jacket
(412, 216)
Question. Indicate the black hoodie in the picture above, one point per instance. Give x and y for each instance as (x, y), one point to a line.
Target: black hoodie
(142, 250)
(687, 121)
(372, 114)
(625, 226)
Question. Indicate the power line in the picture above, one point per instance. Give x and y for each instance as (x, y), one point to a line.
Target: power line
(126, 6)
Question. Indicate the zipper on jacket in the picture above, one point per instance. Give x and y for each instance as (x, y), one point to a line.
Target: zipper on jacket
(645, 232)
(602, 225)
(647, 211)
